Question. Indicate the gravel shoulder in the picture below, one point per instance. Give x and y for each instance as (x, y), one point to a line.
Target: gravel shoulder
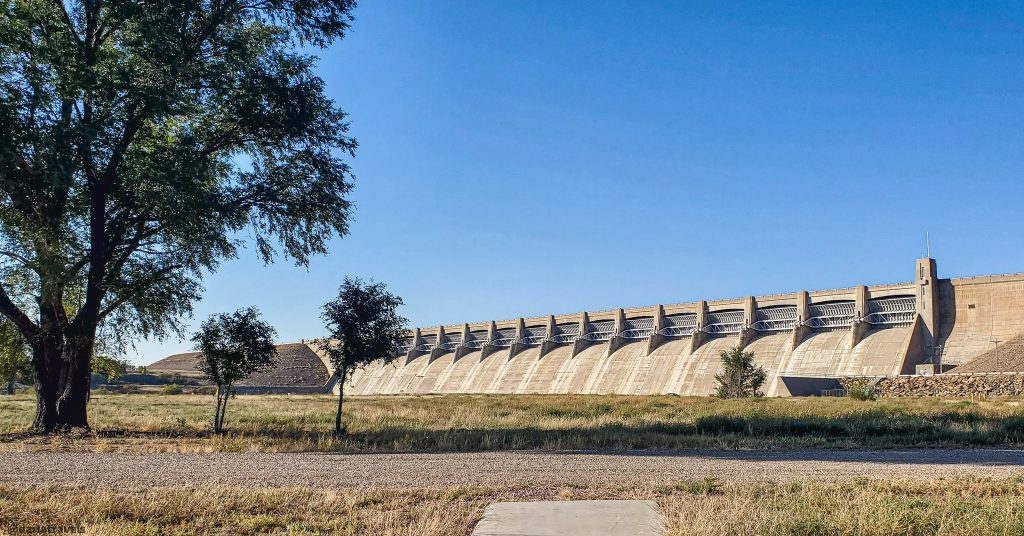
(251, 470)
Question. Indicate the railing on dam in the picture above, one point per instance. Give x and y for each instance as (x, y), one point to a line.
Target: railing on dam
(637, 328)
(600, 330)
(504, 338)
(404, 347)
(894, 311)
(724, 322)
(679, 325)
(427, 343)
(534, 335)
(476, 340)
(831, 315)
(773, 319)
(452, 341)
(565, 333)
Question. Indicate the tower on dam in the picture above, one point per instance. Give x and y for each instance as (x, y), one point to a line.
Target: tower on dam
(803, 340)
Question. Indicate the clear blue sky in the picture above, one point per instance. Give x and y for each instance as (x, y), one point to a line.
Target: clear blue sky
(526, 158)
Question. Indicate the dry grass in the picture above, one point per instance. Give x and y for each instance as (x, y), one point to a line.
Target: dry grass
(282, 423)
(949, 508)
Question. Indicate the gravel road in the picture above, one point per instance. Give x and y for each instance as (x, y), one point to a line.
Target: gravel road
(495, 468)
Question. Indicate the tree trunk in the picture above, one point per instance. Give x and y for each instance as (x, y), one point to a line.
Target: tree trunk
(62, 383)
(224, 408)
(216, 413)
(10, 386)
(339, 428)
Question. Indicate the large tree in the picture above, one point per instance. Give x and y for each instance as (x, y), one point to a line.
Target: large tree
(140, 141)
(364, 326)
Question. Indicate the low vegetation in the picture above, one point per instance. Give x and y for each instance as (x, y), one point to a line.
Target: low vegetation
(946, 508)
(282, 423)
(740, 376)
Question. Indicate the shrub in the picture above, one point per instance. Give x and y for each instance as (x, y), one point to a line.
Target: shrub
(171, 389)
(858, 388)
(740, 377)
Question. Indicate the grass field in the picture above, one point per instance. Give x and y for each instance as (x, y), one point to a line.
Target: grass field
(954, 507)
(466, 423)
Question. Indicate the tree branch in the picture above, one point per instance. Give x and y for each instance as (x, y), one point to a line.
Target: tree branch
(139, 287)
(66, 19)
(26, 326)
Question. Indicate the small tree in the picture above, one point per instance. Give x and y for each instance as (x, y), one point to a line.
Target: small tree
(234, 345)
(364, 326)
(110, 368)
(14, 358)
(740, 377)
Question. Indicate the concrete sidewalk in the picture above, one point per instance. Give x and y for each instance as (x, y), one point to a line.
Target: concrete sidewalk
(571, 518)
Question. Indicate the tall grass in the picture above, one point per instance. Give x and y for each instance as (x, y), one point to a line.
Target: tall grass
(464, 423)
(947, 508)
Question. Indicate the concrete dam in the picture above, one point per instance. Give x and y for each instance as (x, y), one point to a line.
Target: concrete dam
(804, 340)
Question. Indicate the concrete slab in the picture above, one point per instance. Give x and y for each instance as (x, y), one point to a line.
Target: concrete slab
(571, 518)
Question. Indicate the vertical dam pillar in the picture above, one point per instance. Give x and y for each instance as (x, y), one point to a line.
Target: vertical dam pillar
(580, 342)
(800, 329)
(488, 349)
(699, 335)
(659, 324)
(463, 349)
(860, 309)
(926, 278)
(438, 350)
(747, 332)
(617, 341)
(520, 333)
(546, 345)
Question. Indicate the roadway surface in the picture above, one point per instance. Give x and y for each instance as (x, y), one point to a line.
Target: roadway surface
(536, 468)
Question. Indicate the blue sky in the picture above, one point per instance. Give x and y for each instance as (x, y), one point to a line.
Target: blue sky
(527, 158)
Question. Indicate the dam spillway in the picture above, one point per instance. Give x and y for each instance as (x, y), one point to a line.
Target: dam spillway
(799, 339)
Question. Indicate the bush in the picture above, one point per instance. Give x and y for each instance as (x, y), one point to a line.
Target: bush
(858, 388)
(740, 376)
(862, 394)
(171, 389)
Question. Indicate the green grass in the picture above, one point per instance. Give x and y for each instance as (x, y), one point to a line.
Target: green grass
(156, 422)
(869, 508)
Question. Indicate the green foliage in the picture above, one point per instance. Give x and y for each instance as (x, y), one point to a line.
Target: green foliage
(139, 141)
(364, 326)
(171, 389)
(858, 388)
(740, 377)
(110, 368)
(15, 364)
(233, 346)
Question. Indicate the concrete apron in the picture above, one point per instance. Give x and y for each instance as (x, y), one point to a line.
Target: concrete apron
(571, 518)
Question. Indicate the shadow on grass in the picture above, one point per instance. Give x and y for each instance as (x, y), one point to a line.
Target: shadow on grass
(868, 431)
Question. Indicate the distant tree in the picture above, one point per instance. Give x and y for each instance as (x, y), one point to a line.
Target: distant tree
(364, 326)
(139, 140)
(233, 346)
(15, 364)
(740, 377)
(110, 368)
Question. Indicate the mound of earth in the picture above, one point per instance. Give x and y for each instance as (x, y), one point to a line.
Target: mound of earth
(297, 366)
(1006, 357)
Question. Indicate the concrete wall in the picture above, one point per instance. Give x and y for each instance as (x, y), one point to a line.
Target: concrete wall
(975, 311)
(960, 316)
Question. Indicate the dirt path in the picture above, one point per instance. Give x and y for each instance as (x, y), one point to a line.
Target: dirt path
(496, 468)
